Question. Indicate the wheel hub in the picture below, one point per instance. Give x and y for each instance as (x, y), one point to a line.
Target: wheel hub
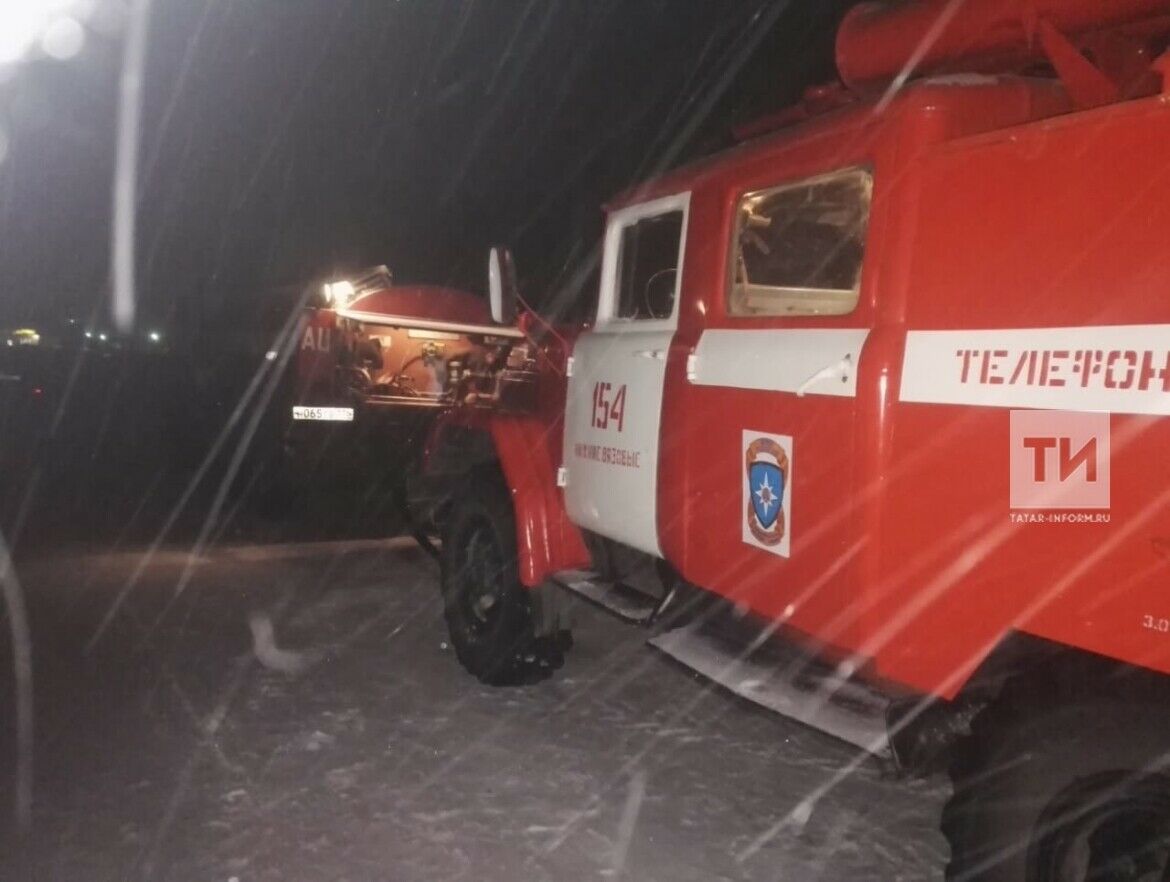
(482, 572)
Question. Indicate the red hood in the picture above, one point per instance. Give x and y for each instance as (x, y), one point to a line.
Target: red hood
(425, 302)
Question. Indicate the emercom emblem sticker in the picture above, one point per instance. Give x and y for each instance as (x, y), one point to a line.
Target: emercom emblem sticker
(1059, 466)
(767, 491)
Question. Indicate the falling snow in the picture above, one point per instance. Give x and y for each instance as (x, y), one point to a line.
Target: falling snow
(183, 756)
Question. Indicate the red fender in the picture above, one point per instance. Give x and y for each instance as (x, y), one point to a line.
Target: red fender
(546, 540)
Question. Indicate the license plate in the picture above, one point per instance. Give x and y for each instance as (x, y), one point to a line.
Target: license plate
(328, 414)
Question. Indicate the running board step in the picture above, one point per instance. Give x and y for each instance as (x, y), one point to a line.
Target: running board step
(786, 684)
(629, 604)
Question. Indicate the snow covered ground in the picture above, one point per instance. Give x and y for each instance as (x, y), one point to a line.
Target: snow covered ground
(170, 752)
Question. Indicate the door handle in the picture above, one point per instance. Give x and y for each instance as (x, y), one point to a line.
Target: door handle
(839, 369)
(656, 354)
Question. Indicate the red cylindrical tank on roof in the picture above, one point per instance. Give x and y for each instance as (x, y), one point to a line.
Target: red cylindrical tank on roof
(877, 40)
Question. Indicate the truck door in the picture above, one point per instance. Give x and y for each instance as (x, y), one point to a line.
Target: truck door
(618, 369)
(765, 473)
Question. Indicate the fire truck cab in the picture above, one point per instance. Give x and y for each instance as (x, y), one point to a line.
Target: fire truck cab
(881, 395)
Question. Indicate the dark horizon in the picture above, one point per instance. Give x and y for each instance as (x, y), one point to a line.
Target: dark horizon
(280, 147)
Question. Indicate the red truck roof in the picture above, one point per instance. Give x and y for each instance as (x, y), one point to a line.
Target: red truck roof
(976, 103)
(887, 54)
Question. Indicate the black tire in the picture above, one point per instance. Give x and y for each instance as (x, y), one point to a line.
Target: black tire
(1062, 794)
(489, 613)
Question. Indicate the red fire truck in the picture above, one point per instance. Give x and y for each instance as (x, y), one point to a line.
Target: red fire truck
(881, 395)
(375, 362)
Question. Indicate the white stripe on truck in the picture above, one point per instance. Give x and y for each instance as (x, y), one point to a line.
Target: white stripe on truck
(816, 361)
(1106, 368)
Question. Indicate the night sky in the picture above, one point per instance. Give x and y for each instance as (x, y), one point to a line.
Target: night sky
(286, 141)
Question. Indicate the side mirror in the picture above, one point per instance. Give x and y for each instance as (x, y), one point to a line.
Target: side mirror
(502, 286)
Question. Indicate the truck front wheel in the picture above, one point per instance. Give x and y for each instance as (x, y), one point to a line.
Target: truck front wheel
(1063, 795)
(490, 614)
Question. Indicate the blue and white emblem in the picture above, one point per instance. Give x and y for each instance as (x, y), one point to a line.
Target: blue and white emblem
(767, 488)
(767, 491)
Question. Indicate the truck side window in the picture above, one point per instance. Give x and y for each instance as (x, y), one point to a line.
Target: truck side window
(648, 267)
(798, 247)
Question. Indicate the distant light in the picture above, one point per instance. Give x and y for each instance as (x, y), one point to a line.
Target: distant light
(25, 22)
(10, 343)
(26, 337)
(154, 336)
(102, 336)
(38, 391)
(63, 39)
(270, 355)
(89, 335)
(19, 25)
